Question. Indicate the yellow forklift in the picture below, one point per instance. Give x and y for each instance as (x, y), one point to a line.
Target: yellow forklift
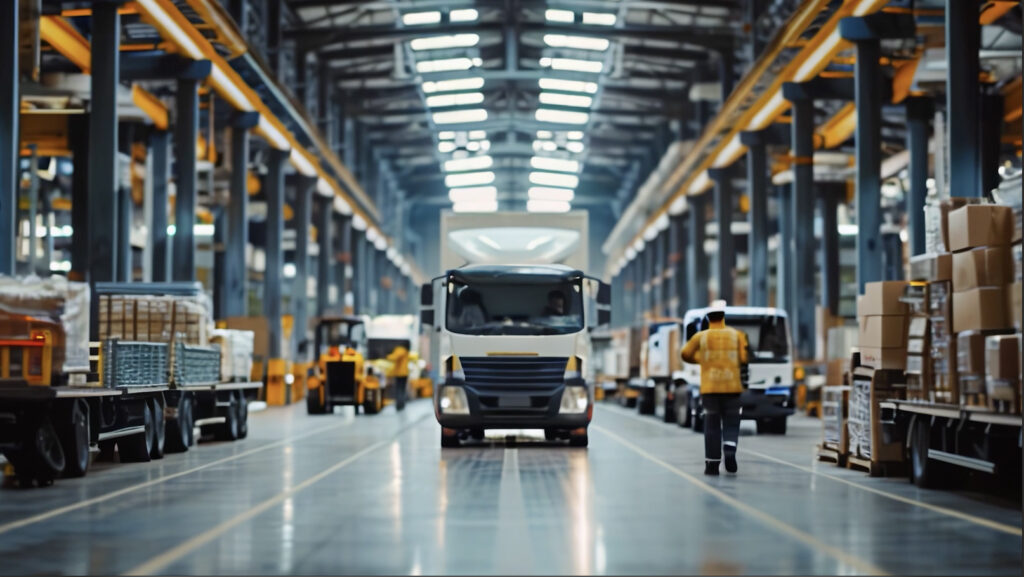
(340, 375)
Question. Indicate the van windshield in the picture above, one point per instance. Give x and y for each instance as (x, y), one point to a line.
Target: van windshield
(481, 308)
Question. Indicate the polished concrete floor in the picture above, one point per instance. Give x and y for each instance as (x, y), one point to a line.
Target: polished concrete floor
(375, 494)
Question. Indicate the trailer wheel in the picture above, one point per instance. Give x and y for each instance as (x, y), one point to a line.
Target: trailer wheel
(73, 431)
(228, 430)
(179, 430)
(136, 448)
(243, 415)
(156, 449)
(40, 458)
(922, 472)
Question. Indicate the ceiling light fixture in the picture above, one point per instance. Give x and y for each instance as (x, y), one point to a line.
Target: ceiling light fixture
(446, 135)
(547, 206)
(576, 147)
(555, 15)
(460, 116)
(576, 42)
(442, 42)
(573, 65)
(555, 164)
(599, 19)
(463, 15)
(554, 179)
(443, 65)
(557, 99)
(477, 134)
(471, 163)
(473, 193)
(567, 85)
(446, 146)
(468, 179)
(561, 116)
(419, 18)
(459, 99)
(574, 135)
(549, 193)
(453, 85)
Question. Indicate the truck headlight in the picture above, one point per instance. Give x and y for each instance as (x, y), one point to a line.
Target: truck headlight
(453, 401)
(574, 400)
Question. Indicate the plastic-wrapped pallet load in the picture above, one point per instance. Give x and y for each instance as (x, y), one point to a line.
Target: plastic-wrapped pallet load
(237, 347)
(1002, 372)
(53, 299)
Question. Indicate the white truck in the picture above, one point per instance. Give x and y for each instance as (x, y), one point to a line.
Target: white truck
(514, 349)
(768, 398)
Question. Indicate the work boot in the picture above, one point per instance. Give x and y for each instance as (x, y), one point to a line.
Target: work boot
(711, 467)
(730, 463)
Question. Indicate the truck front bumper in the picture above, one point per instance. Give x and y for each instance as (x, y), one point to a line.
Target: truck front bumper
(513, 408)
(767, 403)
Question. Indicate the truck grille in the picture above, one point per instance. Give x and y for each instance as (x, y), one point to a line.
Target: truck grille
(541, 374)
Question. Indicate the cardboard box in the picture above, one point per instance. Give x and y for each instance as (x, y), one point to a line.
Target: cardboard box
(882, 298)
(931, 267)
(1002, 354)
(834, 376)
(977, 225)
(949, 205)
(970, 346)
(980, 309)
(887, 358)
(980, 267)
(888, 331)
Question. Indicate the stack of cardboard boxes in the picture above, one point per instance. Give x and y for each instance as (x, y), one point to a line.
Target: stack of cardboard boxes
(883, 319)
(979, 237)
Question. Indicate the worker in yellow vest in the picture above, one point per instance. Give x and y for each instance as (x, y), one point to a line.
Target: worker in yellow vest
(399, 373)
(721, 353)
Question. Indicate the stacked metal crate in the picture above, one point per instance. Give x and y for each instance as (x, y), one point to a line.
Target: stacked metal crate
(130, 363)
(919, 358)
(945, 387)
(195, 364)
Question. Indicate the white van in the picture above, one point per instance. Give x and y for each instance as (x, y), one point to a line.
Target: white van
(768, 398)
(514, 349)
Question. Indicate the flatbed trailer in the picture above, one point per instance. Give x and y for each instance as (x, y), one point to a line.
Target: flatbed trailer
(50, 431)
(941, 436)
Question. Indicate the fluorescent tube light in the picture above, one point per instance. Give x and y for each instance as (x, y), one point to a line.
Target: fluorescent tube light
(473, 193)
(547, 206)
(573, 64)
(460, 116)
(419, 18)
(557, 99)
(468, 179)
(442, 42)
(458, 99)
(471, 163)
(567, 85)
(554, 179)
(599, 19)
(463, 15)
(476, 206)
(444, 65)
(555, 164)
(576, 42)
(555, 15)
(453, 85)
(561, 116)
(549, 193)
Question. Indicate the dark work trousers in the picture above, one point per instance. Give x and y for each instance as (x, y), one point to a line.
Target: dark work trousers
(721, 419)
(401, 384)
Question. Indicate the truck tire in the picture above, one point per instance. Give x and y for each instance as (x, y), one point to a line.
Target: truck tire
(645, 404)
(41, 457)
(923, 472)
(135, 448)
(669, 416)
(579, 440)
(228, 430)
(243, 415)
(449, 441)
(156, 450)
(179, 430)
(73, 431)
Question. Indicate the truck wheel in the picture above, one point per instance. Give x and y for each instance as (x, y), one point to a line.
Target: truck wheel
(135, 448)
(243, 415)
(156, 450)
(228, 430)
(40, 458)
(579, 440)
(670, 409)
(922, 472)
(179, 430)
(73, 431)
(449, 441)
(683, 416)
(645, 405)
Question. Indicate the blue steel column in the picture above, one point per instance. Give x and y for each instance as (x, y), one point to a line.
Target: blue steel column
(919, 115)
(672, 260)
(868, 99)
(103, 181)
(359, 283)
(784, 257)
(10, 108)
(757, 190)
(990, 141)
(638, 289)
(648, 277)
(159, 141)
(802, 141)
(726, 243)
(185, 134)
(237, 273)
(697, 261)
(78, 141)
(679, 266)
(657, 288)
(829, 253)
(325, 258)
(274, 253)
(123, 251)
(345, 263)
(963, 43)
(300, 299)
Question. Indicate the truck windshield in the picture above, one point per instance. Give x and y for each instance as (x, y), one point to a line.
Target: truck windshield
(767, 337)
(480, 308)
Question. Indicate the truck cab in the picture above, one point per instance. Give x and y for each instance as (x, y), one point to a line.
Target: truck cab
(768, 397)
(514, 349)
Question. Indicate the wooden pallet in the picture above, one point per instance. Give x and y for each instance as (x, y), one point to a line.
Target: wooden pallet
(875, 468)
(830, 454)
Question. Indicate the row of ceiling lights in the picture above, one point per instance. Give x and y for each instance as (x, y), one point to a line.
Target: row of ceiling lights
(553, 180)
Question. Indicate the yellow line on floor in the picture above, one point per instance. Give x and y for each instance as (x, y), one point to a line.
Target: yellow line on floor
(1016, 531)
(1010, 529)
(766, 519)
(168, 557)
(120, 492)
